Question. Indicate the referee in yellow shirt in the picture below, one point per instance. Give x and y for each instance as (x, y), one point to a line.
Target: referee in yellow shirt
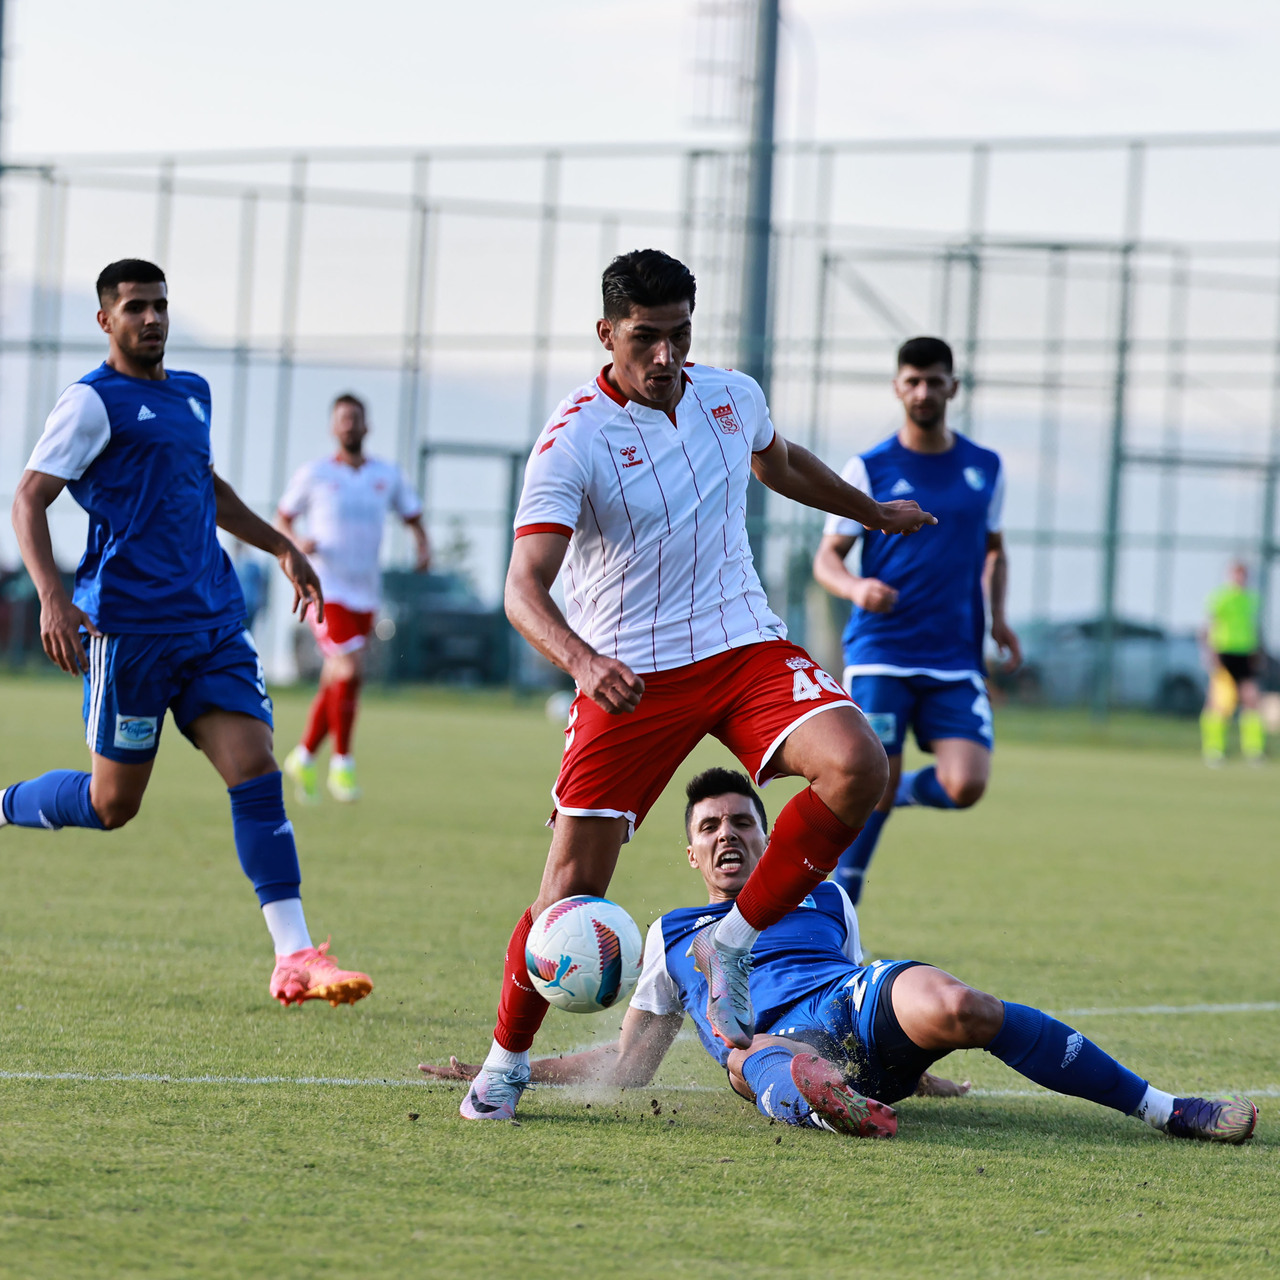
(1234, 659)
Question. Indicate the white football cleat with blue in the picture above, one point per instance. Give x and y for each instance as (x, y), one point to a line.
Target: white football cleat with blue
(494, 1095)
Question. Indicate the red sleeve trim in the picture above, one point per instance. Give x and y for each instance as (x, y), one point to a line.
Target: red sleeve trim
(562, 529)
(768, 446)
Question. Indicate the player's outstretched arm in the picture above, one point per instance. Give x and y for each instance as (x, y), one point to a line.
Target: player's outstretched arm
(794, 472)
(239, 521)
(421, 544)
(60, 620)
(535, 560)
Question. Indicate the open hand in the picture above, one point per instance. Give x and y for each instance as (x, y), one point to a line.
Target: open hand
(454, 1071)
(60, 623)
(901, 516)
(306, 586)
(937, 1087)
(610, 684)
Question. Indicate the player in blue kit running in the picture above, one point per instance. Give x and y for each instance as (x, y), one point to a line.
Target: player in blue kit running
(913, 644)
(844, 1039)
(156, 622)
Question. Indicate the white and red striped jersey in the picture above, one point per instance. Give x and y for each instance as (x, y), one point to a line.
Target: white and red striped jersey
(346, 509)
(659, 572)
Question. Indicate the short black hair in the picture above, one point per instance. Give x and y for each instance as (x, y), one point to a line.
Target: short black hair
(127, 270)
(645, 278)
(922, 353)
(719, 782)
(347, 398)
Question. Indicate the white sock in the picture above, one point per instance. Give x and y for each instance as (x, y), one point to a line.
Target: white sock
(500, 1059)
(304, 756)
(1155, 1108)
(341, 762)
(734, 931)
(4, 822)
(287, 924)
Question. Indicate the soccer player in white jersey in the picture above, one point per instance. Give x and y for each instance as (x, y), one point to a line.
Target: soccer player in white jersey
(637, 487)
(913, 644)
(345, 500)
(875, 1027)
(156, 623)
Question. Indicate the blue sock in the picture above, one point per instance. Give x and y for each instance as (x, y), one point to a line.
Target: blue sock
(1052, 1054)
(264, 838)
(922, 787)
(53, 801)
(768, 1072)
(854, 861)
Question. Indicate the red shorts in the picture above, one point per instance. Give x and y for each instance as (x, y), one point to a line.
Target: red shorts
(616, 766)
(342, 631)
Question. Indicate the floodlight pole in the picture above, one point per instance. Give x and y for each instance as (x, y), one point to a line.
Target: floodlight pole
(753, 325)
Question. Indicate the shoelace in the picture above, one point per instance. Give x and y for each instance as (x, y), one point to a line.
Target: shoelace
(1198, 1115)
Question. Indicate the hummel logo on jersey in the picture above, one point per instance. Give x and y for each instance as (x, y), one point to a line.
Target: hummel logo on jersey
(145, 414)
(723, 414)
(901, 487)
(197, 408)
(630, 454)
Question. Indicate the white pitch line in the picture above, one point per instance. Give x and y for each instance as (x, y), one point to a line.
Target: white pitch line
(1173, 1010)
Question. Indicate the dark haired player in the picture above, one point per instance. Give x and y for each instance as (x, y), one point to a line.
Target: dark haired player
(156, 623)
(913, 644)
(844, 1039)
(637, 488)
(344, 500)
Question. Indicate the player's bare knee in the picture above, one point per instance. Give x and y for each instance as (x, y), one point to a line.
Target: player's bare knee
(971, 1017)
(115, 811)
(964, 792)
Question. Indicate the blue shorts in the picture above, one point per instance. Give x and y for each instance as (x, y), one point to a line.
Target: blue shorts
(853, 1024)
(932, 708)
(134, 679)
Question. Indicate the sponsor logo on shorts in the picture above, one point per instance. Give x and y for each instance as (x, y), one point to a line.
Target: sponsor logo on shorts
(137, 733)
(974, 477)
(884, 724)
(1075, 1042)
(723, 414)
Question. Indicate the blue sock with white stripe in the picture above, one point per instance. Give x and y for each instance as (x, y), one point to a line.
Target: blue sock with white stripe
(1052, 1054)
(851, 870)
(768, 1072)
(264, 838)
(921, 786)
(54, 800)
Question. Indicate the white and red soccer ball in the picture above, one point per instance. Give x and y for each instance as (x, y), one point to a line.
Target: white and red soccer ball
(584, 954)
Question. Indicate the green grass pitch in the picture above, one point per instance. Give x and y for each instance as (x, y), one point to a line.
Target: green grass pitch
(1102, 872)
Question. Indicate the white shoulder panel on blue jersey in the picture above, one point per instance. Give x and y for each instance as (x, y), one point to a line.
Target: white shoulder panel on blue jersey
(75, 433)
(854, 473)
(656, 992)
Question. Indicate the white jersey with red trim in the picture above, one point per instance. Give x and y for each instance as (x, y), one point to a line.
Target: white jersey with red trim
(346, 509)
(659, 572)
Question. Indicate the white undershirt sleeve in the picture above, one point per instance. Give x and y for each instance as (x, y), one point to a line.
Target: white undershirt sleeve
(855, 474)
(656, 992)
(995, 510)
(852, 943)
(75, 433)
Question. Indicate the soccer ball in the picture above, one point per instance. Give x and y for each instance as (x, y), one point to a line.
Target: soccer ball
(584, 954)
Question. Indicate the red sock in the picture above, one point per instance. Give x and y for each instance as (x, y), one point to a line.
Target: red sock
(317, 721)
(804, 846)
(343, 696)
(521, 1009)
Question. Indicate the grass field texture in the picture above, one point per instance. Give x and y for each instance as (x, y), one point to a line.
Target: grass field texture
(1104, 873)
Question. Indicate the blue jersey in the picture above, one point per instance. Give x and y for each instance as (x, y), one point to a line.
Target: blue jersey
(137, 457)
(939, 621)
(807, 951)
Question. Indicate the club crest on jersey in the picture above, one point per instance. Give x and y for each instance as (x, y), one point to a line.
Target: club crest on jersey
(629, 453)
(197, 408)
(974, 477)
(799, 664)
(723, 414)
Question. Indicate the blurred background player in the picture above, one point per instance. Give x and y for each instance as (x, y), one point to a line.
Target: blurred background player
(875, 1028)
(637, 486)
(1233, 656)
(345, 500)
(157, 622)
(913, 643)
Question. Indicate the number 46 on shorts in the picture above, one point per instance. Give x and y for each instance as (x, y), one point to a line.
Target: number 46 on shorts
(803, 686)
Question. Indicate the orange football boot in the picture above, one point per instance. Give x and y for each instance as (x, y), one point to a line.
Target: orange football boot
(310, 974)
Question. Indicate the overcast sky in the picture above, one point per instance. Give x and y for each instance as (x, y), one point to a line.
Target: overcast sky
(83, 75)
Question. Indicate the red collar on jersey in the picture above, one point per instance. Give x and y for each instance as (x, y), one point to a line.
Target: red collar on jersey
(602, 381)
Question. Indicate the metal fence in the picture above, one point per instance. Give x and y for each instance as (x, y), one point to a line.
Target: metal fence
(1114, 304)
